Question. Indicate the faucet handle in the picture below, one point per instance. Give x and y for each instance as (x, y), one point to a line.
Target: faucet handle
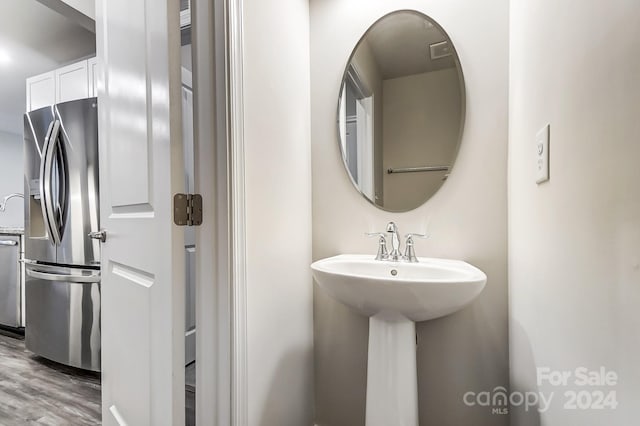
(410, 236)
(375, 234)
(382, 244)
(409, 251)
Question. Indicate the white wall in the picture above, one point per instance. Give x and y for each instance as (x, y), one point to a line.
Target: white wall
(11, 178)
(278, 203)
(574, 242)
(464, 352)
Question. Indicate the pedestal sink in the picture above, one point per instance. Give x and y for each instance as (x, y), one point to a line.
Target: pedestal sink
(395, 295)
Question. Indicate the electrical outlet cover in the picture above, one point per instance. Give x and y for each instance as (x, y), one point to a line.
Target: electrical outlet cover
(542, 155)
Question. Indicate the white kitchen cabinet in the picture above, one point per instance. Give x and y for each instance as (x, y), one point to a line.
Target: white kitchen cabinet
(92, 64)
(68, 83)
(72, 82)
(41, 90)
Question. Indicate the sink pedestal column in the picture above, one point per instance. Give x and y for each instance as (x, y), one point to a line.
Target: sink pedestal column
(392, 380)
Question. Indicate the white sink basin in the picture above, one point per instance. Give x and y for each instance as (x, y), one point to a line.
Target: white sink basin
(394, 295)
(419, 291)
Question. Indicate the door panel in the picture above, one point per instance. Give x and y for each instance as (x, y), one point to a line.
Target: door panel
(129, 183)
(141, 167)
(134, 370)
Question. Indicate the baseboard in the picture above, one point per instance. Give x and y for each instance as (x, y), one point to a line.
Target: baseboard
(16, 333)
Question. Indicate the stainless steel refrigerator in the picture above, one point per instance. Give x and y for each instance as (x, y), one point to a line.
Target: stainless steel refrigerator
(62, 263)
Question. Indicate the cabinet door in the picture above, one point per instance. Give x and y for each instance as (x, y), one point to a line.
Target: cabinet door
(92, 64)
(72, 82)
(41, 91)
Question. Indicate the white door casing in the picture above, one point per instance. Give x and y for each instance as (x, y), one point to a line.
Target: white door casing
(211, 156)
(189, 234)
(141, 167)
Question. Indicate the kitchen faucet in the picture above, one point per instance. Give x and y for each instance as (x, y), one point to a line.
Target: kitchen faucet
(3, 204)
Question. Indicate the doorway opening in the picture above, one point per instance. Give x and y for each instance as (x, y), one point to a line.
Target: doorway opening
(189, 232)
(49, 293)
(188, 146)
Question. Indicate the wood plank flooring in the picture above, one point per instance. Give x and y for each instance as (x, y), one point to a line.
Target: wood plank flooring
(190, 395)
(35, 391)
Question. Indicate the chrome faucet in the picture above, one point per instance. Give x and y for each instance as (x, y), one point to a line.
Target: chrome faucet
(382, 245)
(394, 254)
(409, 252)
(3, 204)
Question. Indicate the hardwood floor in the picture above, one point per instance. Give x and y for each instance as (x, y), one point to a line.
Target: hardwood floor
(190, 395)
(190, 404)
(35, 391)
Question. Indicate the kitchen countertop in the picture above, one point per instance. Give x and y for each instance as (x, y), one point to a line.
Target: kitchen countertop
(11, 230)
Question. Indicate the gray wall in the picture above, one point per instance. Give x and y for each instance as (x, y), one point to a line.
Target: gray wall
(11, 178)
(574, 242)
(467, 351)
(421, 127)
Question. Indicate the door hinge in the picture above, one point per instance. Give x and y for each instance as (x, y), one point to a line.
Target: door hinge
(187, 209)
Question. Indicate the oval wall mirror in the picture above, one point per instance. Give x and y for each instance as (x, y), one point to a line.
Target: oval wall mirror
(401, 111)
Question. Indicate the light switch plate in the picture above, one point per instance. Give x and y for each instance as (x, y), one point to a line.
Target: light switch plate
(542, 155)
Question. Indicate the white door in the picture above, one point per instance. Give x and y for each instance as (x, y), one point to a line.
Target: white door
(364, 134)
(141, 168)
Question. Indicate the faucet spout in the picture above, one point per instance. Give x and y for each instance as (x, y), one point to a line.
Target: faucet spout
(392, 229)
(3, 204)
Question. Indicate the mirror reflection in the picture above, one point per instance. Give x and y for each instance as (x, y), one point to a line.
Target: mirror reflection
(401, 111)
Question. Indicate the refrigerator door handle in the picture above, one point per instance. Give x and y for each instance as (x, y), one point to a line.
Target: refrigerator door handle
(68, 278)
(59, 269)
(43, 193)
(8, 243)
(47, 184)
(61, 201)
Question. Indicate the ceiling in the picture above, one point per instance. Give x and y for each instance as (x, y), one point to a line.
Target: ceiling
(33, 39)
(400, 44)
